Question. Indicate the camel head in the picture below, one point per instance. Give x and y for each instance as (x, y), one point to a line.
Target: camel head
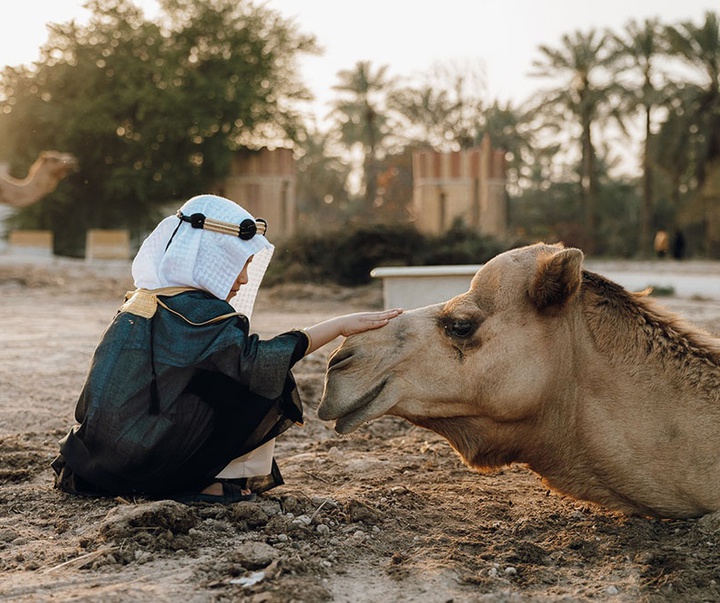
(56, 165)
(479, 358)
(603, 393)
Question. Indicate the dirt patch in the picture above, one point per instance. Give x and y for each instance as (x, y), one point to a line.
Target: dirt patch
(386, 514)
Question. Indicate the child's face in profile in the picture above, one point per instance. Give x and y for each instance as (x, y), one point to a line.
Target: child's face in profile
(240, 280)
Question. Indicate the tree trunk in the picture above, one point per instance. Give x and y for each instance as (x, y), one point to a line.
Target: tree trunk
(369, 167)
(588, 181)
(644, 246)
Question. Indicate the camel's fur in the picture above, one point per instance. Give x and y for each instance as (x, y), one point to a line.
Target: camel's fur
(43, 177)
(606, 395)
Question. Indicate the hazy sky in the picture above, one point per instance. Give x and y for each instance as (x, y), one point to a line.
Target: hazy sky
(408, 36)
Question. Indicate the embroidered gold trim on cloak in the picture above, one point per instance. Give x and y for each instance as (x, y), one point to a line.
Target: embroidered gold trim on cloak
(144, 303)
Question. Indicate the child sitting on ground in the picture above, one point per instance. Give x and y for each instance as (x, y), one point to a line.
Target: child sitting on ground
(181, 401)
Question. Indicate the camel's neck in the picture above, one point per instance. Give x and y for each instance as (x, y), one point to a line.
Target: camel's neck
(20, 192)
(478, 440)
(36, 174)
(633, 328)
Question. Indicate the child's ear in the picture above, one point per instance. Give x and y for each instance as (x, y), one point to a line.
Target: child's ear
(557, 278)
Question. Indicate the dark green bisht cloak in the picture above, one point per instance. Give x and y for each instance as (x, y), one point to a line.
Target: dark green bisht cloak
(170, 400)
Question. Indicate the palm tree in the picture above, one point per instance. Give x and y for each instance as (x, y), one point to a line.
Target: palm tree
(637, 49)
(426, 110)
(698, 47)
(509, 129)
(362, 119)
(321, 176)
(693, 125)
(580, 97)
(445, 109)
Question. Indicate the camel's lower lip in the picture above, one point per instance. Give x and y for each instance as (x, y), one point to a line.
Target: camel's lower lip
(350, 417)
(328, 411)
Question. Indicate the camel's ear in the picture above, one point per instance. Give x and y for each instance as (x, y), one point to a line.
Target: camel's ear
(557, 278)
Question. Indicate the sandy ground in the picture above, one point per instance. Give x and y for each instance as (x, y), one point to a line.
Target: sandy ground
(386, 514)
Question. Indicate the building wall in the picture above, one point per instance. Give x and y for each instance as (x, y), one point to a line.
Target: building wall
(464, 185)
(264, 183)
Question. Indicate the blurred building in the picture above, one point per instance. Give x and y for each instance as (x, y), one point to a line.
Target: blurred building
(463, 186)
(264, 183)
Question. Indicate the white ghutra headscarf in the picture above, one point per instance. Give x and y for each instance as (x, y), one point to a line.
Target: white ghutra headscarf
(176, 254)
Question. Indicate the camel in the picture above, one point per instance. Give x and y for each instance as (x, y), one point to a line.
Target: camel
(606, 395)
(43, 177)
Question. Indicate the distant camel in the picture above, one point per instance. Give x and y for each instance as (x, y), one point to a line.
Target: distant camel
(605, 394)
(43, 177)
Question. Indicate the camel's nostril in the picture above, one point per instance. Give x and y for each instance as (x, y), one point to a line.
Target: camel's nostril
(339, 359)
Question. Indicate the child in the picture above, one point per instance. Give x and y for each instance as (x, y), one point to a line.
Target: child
(181, 401)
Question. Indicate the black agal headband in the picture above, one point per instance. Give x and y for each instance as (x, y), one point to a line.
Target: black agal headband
(246, 230)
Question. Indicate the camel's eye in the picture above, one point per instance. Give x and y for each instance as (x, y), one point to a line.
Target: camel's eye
(460, 328)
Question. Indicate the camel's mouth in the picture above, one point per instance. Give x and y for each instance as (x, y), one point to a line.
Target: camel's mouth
(70, 164)
(349, 416)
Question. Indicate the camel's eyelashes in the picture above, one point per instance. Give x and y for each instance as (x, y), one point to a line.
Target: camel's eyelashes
(457, 327)
(460, 328)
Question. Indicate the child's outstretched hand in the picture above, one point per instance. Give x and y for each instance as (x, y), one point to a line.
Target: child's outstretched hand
(351, 324)
(346, 325)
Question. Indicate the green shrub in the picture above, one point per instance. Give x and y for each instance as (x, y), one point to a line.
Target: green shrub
(460, 245)
(366, 247)
(303, 258)
(347, 256)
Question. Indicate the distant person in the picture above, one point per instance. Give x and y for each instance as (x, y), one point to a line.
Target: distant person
(678, 247)
(662, 243)
(181, 401)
